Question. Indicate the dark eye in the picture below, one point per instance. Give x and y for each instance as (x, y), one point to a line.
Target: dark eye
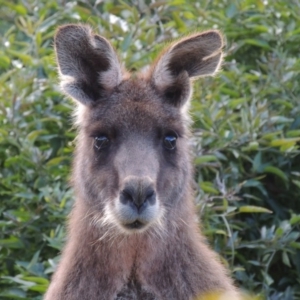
(170, 141)
(101, 142)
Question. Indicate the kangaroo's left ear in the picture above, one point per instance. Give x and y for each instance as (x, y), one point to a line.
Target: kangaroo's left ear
(191, 57)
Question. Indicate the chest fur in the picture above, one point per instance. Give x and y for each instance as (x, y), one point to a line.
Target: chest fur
(134, 291)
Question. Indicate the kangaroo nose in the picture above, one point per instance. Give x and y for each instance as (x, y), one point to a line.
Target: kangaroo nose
(139, 194)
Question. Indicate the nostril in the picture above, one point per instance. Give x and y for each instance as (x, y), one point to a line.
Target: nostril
(150, 196)
(126, 196)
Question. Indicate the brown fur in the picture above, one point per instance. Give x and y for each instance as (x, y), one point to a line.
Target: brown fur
(167, 258)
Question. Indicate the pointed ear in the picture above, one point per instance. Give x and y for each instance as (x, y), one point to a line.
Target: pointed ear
(88, 64)
(194, 56)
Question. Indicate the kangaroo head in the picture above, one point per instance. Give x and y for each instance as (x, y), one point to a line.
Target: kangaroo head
(132, 166)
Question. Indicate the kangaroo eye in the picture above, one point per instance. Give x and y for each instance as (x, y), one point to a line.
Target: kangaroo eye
(101, 142)
(170, 141)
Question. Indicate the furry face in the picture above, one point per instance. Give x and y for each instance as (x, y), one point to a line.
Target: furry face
(132, 158)
(132, 155)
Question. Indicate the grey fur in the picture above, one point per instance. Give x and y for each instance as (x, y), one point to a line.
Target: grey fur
(167, 258)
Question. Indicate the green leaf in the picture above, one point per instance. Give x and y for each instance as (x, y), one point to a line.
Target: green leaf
(25, 195)
(231, 10)
(188, 15)
(295, 219)
(259, 43)
(285, 259)
(267, 278)
(13, 293)
(4, 61)
(12, 242)
(282, 142)
(253, 209)
(20, 9)
(208, 187)
(297, 183)
(257, 162)
(26, 59)
(252, 146)
(39, 280)
(236, 102)
(275, 171)
(57, 160)
(178, 21)
(295, 245)
(204, 159)
(42, 288)
(32, 136)
(126, 42)
(293, 133)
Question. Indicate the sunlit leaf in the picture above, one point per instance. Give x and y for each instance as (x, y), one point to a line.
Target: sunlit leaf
(204, 159)
(253, 209)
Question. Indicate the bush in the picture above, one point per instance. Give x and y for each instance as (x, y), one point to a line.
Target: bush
(246, 133)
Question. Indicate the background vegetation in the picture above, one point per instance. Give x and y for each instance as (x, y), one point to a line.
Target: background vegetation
(247, 133)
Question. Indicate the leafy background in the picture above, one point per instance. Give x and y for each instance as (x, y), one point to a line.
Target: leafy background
(246, 133)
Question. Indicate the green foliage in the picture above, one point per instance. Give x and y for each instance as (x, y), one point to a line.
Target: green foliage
(246, 133)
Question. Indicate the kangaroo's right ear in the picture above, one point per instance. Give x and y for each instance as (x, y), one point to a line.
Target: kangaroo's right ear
(88, 64)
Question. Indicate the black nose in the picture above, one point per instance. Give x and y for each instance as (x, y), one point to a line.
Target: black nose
(138, 194)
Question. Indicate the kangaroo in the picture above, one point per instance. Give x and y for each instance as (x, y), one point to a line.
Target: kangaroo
(133, 232)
